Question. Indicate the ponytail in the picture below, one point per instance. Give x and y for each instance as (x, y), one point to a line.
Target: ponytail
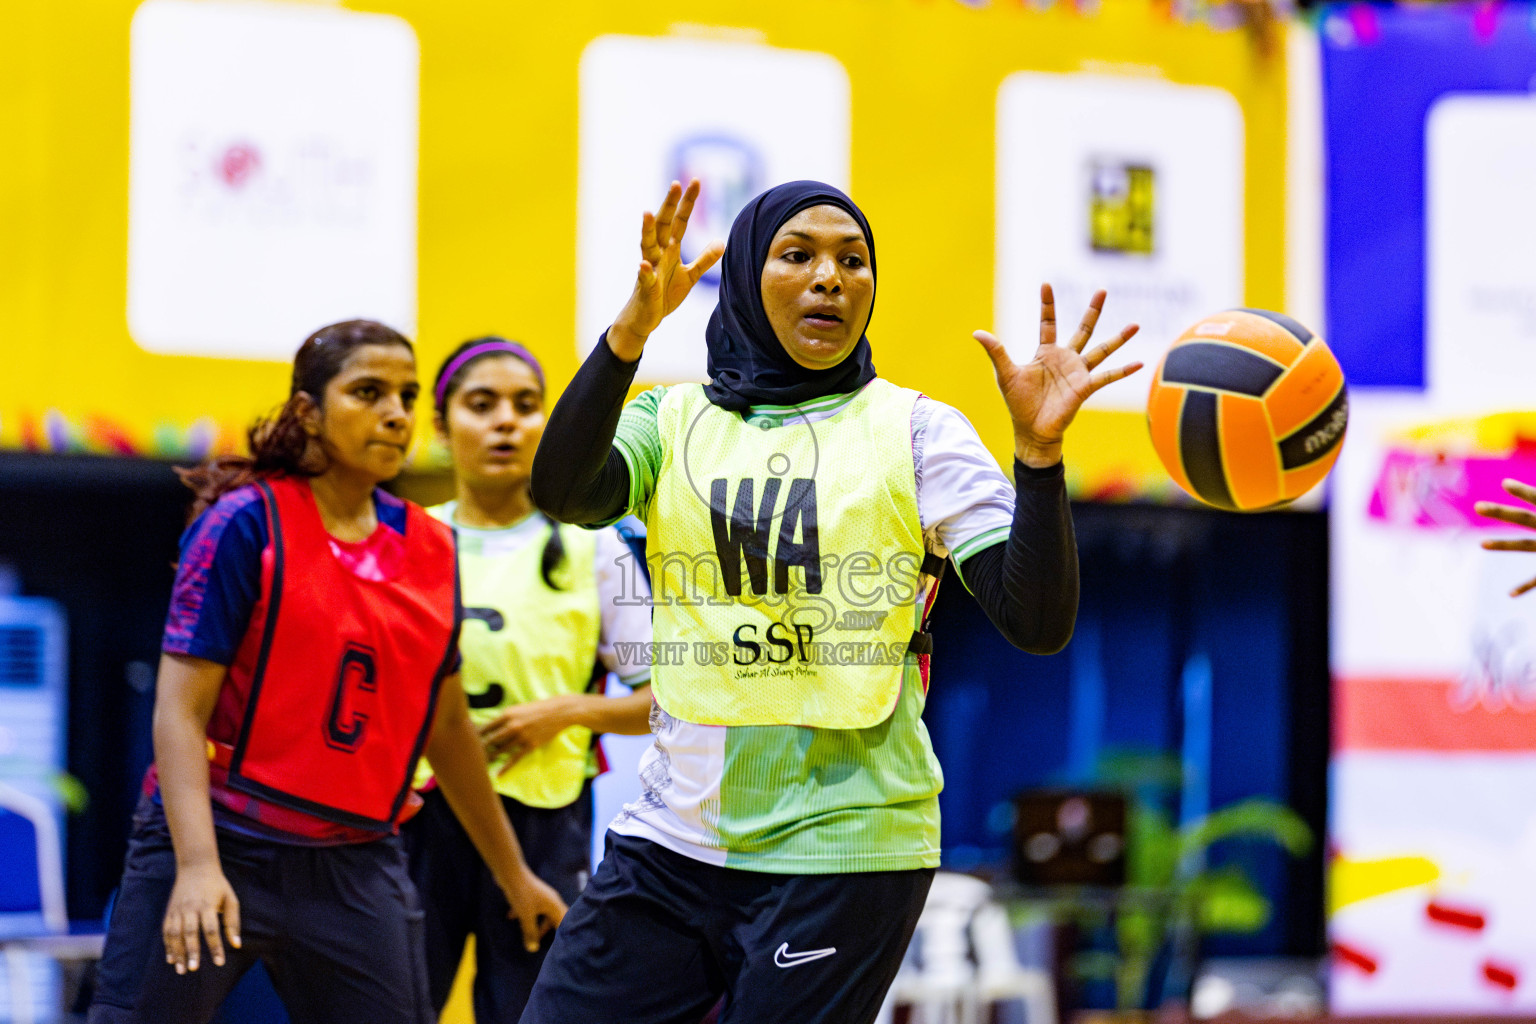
(554, 553)
(279, 447)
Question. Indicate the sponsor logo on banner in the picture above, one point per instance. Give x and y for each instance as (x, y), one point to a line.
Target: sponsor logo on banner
(1120, 211)
(308, 181)
(730, 173)
(238, 164)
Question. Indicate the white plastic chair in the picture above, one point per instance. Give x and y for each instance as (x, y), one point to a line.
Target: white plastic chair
(963, 961)
(46, 931)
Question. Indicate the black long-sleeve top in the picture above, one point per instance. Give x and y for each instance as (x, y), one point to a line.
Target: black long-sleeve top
(1028, 586)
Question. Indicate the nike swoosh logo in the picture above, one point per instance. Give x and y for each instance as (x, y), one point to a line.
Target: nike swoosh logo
(784, 958)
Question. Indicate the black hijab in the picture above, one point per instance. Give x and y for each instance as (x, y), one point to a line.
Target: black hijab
(747, 364)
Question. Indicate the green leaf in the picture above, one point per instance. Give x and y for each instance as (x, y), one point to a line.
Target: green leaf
(1226, 901)
(1151, 847)
(1138, 931)
(72, 792)
(1135, 768)
(1250, 819)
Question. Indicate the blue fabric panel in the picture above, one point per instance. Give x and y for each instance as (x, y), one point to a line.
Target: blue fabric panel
(1383, 68)
(18, 865)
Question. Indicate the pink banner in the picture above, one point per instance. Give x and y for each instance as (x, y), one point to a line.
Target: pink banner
(1436, 491)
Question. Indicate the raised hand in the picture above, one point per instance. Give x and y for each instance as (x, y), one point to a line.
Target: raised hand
(1519, 517)
(1044, 394)
(663, 280)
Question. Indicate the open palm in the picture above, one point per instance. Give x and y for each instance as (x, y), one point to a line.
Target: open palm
(1519, 517)
(663, 280)
(1044, 394)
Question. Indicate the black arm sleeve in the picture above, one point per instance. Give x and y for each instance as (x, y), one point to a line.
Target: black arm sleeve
(578, 476)
(1028, 586)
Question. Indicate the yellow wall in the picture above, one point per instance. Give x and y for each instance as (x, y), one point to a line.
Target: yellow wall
(498, 194)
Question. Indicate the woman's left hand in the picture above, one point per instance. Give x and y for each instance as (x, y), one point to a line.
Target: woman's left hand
(521, 728)
(1044, 394)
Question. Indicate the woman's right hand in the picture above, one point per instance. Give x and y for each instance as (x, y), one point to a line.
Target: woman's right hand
(663, 280)
(200, 897)
(524, 727)
(534, 905)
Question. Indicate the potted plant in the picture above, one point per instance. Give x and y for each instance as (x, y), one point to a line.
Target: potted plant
(1173, 897)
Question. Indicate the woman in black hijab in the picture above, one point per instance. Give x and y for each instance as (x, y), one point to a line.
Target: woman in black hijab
(748, 365)
(788, 830)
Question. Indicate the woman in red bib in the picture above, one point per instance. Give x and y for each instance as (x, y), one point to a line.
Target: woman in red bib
(309, 661)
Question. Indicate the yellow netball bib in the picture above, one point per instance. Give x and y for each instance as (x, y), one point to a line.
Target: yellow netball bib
(784, 560)
(523, 641)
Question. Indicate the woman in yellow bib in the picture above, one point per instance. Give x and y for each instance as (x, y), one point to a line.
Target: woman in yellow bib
(547, 610)
(800, 510)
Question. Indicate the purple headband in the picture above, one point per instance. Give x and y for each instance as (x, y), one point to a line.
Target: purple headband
(457, 363)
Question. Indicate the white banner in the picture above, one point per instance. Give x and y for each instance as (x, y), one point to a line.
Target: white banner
(1480, 286)
(272, 164)
(737, 116)
(1134, 186)
(1432, 801)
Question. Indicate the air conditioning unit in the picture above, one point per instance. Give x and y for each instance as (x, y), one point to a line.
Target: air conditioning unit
(33, 726)
(32, 691)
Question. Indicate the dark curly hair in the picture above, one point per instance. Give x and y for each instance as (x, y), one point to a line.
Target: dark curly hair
(278, 443)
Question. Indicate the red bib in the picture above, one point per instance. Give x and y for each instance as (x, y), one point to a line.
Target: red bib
(344, 682)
